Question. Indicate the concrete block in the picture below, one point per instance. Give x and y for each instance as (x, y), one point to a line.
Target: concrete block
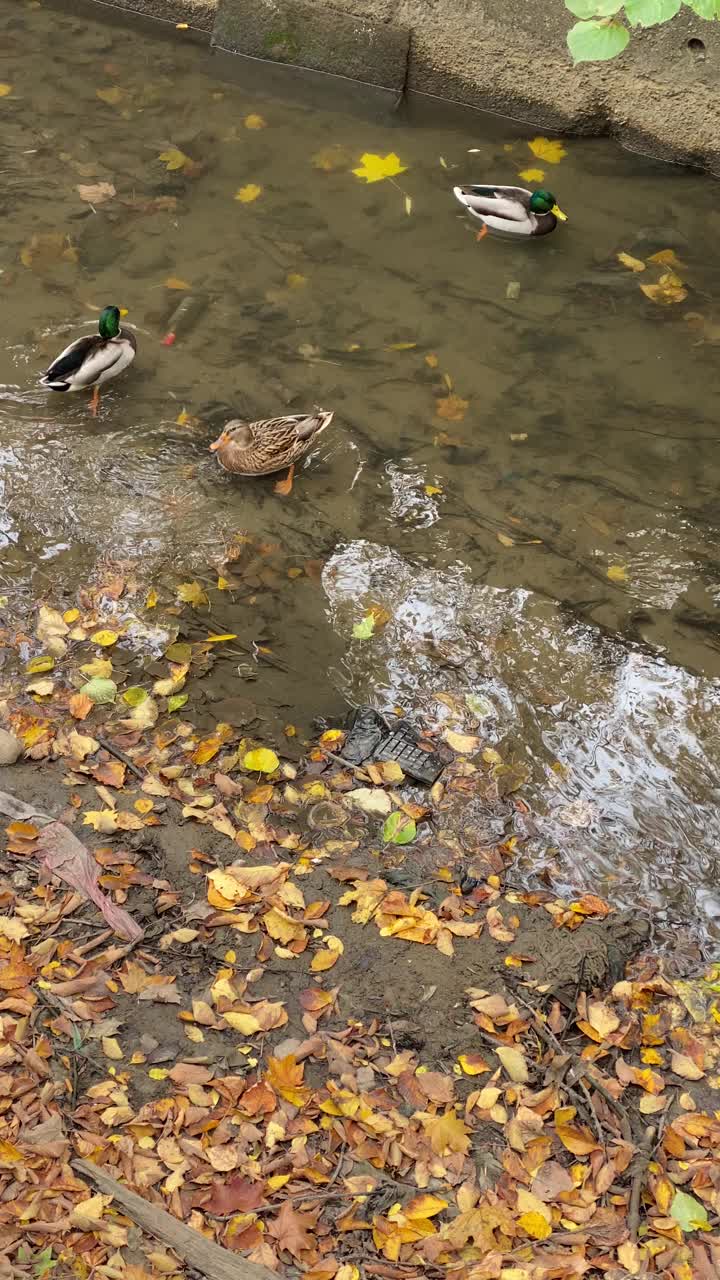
(315, 37)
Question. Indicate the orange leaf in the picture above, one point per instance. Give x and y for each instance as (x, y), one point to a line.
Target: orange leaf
(447, 1133)
(451, 407)
(286, 1076)
(577, 1139)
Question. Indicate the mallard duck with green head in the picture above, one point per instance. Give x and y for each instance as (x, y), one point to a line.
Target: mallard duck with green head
(94, 359)
(270, 444)
(511, 211)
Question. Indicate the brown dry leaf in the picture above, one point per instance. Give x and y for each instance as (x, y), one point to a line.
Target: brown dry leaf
(292, 1229)
(451, 407)
(684, 1066)
(602, 1018)
(96, 192)
(80, 706)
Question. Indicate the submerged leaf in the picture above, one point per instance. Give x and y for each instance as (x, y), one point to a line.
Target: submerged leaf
(451, 407)
(547, 149)
(248, 193)
(174, 159)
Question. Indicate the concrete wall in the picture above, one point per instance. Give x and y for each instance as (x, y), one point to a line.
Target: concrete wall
(660, 96)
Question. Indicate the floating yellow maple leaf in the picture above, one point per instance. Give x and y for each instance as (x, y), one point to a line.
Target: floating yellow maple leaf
(174, 158)
(248, 193)
(254, 121)
(374, 168)
(532, 175)
(547, 149)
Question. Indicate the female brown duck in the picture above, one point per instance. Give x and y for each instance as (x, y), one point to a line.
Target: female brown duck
(260, 448)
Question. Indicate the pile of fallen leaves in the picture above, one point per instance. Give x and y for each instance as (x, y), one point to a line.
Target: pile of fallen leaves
(566, 1138)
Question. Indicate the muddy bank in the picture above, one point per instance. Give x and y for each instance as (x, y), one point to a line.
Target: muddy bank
(659, 97)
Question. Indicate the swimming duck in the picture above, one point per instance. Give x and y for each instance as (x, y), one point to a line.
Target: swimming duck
(511, 211)
(259, 448)
(92, 360)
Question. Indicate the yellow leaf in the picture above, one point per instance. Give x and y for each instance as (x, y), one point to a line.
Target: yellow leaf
(41, 663)
(112, 96)
(111, 1048)
(254, 121)
(432, 489)
(668, 290)
(547, 149)
(532, 175)
(71, 615)
(152, 599)
(222, 584)
(173, 158)
(447, 1133)
(294, 280)
(248, 193)
(666, 258)
(400, 346)
(158, 1073)
(431, 360)
(617, 573)
(262, 760)
(451, 407)
(472, 1064)
(424, 1207)
(101, 667)
(535, 1225)
(104, 638)
(464, 743)
(504, 540)
(245, 1023)
(174, 282)
(192, 593)
(578, 1140)
(9, 1154)
(373, 168)
(634, 264)
(5, 89)
(514, 1063)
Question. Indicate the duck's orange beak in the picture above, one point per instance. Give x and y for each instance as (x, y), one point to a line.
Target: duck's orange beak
(221, 440)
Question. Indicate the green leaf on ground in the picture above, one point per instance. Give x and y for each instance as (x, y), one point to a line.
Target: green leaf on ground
(688, 1212)
(648, 13)
(399, 829)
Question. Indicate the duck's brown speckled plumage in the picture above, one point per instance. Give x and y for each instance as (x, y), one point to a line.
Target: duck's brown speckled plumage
(271, 444)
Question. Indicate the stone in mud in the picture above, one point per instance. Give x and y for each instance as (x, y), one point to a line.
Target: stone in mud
(10, 747)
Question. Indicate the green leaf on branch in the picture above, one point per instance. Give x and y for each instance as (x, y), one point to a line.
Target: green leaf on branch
(648, 13)
(398, 829)
(597, 41)
(593, 8)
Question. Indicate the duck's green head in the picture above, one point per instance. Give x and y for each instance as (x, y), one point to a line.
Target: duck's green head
(109, 322)
(542, 201)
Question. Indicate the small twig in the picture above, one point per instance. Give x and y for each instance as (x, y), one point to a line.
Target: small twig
(120, 755)
(643, 1160)
(552, 1041)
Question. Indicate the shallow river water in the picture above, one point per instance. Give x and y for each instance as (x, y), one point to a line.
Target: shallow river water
(512, 422)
